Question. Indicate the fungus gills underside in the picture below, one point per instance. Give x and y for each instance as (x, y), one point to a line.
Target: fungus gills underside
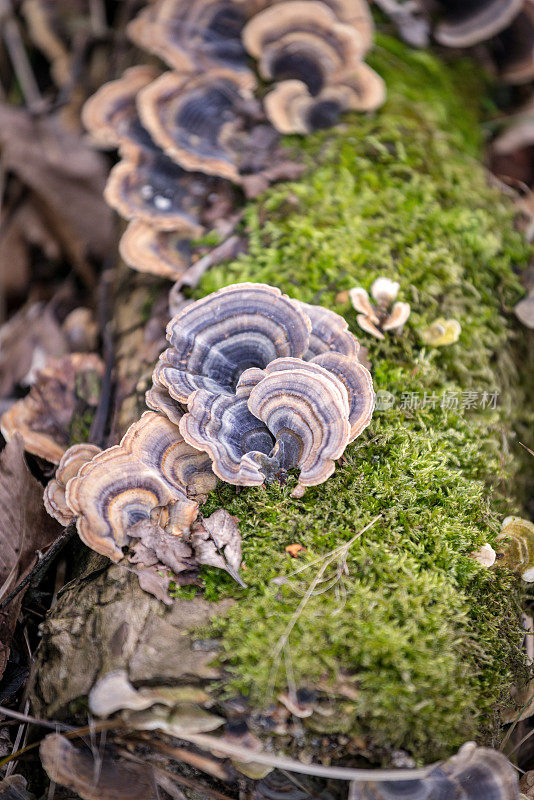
(419, 635)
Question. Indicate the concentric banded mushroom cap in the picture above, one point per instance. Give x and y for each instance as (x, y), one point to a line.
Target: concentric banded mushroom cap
(359, 385)
(302, 40)
(54, 494)
(159, 399)
(191, 35)
(329, 332)
(223, 426)
(126, 483)
(156, 442)
(481, 773)
(357, 14)
(110, 114)
(310, 58)
(466, 24)
(165, 253)
(474, 773)
(158, 192)
(306, 409)
(185, 117)
(214, 340)
(292, 109)
(517, 549)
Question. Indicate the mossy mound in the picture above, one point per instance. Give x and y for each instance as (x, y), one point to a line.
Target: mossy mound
(416, 642)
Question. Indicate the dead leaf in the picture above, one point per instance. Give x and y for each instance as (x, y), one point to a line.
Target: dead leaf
(294, 549)
(65, 392)
(154, 581)
(105, 779)
(216, 542)
(65, 176)
(168, 550)
(25, 529)
(30, 337)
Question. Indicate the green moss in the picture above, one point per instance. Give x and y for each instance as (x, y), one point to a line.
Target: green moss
(427, 638)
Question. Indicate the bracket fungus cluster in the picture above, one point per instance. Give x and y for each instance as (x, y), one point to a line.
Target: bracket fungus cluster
(386, 315)
(265, 385)
(147, 476)
(187, 136)
(508, 24)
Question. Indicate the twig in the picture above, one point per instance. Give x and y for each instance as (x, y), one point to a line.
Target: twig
(19, 57)
(226, 250)
(97, 432)
(303, 603)
(245, 754)
(33, 577)
(54, 726)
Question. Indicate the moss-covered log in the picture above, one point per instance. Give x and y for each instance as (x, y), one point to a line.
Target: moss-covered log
(411, 643)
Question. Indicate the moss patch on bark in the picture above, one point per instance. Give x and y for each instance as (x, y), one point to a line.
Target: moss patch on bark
(412, 643)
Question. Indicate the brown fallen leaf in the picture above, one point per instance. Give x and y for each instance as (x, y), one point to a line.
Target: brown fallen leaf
(216, 542)
(107, 779)
(295, 549)
(65, 393)
(25, 529)
(30, 337)
(66, 176)
(156, 546)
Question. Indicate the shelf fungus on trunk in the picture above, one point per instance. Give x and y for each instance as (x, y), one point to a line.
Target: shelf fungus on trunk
(386, 315)
(71, 462)
(214, 340)
(195, 35)
(270, 384)
(474, 773)
(110, 115)
(64, 396)
(164, 253)
(292, 108)
(146, 477)
(187, 117)
(303, 39)
(516, 543)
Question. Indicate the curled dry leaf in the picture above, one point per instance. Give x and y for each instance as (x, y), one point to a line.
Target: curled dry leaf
(25, 529)
(31, 336)
(107, 779)
(65, 175)
(217, 543)
(66, 390)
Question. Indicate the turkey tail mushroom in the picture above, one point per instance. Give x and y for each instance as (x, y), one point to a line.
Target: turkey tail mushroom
(151, 469)
(186, 116)
(195, 35)
(164, 253)
(54, 494)
(217, 338)
(303, 40)
(153, 189)
(110, 115)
